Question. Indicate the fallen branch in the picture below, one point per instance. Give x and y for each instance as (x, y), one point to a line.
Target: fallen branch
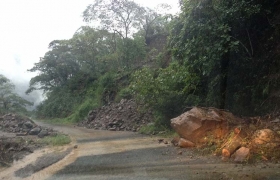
(232, 146)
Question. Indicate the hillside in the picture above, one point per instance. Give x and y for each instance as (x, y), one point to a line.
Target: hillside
(218, 54)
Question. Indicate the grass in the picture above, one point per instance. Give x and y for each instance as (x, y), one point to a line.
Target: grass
(64, 121)
(57, 140)
(79, 114)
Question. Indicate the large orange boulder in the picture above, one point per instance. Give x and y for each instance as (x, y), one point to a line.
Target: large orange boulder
(200, 124)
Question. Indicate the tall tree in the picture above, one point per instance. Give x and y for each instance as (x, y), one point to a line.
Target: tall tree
(208, 35)
(119, 16)
(56, 67)
(154, 22)
(94, 48)
(9, 100)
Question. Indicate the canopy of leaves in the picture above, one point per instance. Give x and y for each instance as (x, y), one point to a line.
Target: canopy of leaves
(223, 43)
(115, 15)
(72, 66)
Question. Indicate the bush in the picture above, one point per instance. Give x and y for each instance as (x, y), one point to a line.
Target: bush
(167, 91)
(124, 93)
(107, 88)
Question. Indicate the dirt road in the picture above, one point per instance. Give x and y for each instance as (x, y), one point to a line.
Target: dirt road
(125, 155)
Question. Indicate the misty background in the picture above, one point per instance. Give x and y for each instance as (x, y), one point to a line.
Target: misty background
(27, 28)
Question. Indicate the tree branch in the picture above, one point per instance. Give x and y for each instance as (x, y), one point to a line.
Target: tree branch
(250, 42)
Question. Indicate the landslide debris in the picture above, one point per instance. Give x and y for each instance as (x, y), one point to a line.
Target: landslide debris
(19, 137)
(234, 138)
(15, 148)
(123, 116)
(23, 126)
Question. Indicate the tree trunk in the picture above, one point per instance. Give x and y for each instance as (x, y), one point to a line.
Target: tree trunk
(224, 78)
(232, 145)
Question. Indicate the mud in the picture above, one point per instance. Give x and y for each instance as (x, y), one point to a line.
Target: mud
(41, 163)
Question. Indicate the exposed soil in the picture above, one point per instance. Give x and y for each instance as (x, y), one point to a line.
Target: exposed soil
(19, 136)
(15, 148)
(123, 116)
(41, 163)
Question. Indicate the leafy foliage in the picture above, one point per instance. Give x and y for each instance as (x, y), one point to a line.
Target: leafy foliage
(220, 42)
(9, 100)
(215, 53)
(116, 15)
(167, 91)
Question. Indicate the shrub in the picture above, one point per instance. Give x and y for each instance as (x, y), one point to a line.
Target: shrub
(167, 91)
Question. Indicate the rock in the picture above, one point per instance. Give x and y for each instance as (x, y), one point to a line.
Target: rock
(241, 154)
(119, 116)
(175, 141)
(122, 101)
(112, 129)
(185, 143)
(43, 133)
(76, 146)
(35, 131)
(198, 123)
(28, 125)
(21, 134)
(263, 136)
(53, 134)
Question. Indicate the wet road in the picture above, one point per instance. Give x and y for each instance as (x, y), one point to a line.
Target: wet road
(124, 155)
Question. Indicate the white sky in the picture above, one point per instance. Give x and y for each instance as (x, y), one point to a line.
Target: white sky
(28, 26)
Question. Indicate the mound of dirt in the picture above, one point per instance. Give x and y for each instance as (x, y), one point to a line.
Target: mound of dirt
(123, 116)
(15, 124)
(22, 126)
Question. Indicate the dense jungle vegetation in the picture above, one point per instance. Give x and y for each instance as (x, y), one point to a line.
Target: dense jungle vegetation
(224, 54)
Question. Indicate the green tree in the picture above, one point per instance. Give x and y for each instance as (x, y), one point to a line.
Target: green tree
(56, 67)
(9, 100)
(93, 49)
(154, 22)
(118, 16)
(208, 36)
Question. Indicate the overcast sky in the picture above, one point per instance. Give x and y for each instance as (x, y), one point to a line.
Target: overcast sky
(28, 26)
